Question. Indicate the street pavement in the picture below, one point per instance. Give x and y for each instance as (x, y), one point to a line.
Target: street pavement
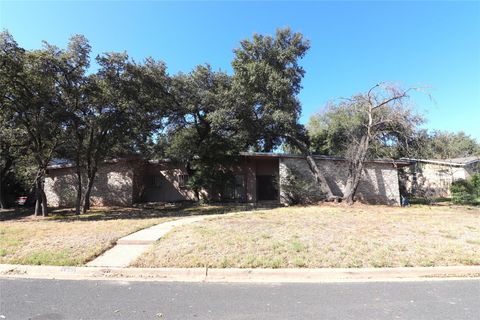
(105, 299)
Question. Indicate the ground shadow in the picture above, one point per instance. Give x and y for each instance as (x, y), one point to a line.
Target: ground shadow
(149, 211)
(15, 213)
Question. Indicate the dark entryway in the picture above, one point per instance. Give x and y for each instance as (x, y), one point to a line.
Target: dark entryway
(267, 188)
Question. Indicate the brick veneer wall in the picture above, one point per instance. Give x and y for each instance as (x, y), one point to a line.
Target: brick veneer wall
(113, 186)
(432, 180)
(379, 183)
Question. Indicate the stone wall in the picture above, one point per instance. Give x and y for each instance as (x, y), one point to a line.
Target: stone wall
(379, 183)
(127, 182)
(113, 186)
(472, 169)
(431, 180)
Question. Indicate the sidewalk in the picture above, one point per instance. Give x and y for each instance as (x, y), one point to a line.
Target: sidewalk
(132, 246)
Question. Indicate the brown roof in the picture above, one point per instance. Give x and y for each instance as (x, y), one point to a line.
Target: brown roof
(465, 160)
(400, 162)
(457, 162)
(396, 162)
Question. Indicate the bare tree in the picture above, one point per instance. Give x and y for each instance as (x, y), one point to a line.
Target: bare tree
(383, 113)
(359, 127)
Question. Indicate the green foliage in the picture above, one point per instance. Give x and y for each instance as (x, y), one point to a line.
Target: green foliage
(331, 130)
(29, 101)
(53, 106)
(15, 172)
(296, 190)
(266, 83)
(445, 145)
(44, 257)
(204, 130)
(394, 128)
(466, 191)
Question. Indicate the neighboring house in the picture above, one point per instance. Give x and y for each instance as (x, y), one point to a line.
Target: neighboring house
(433, 178)
(258, 177)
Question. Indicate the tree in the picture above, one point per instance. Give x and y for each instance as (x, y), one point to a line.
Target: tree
(29, 100)
(205, 131)
(73, 93)
(10, 153)
(365, 126)
(267, 81)
(127, 102)
(445, 145)
(86, 118)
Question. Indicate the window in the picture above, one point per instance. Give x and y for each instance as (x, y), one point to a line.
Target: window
(182, 180)
(444, 179)
(234, 190)
(240, 187)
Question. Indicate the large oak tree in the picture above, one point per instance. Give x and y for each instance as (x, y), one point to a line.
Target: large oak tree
(267, 81)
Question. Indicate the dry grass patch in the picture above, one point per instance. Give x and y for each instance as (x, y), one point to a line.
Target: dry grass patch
(53, 242)
(66, 239)
(325, 236)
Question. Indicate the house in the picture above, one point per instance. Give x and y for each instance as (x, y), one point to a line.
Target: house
(433, 178)
(258, 177)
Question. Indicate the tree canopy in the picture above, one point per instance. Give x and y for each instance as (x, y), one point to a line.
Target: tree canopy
(267, 81)
(54, 105)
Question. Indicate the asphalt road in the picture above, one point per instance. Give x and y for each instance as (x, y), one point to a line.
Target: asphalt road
(87, 299)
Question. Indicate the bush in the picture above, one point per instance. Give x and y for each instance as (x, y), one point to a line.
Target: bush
(296, 190)
(466, 191)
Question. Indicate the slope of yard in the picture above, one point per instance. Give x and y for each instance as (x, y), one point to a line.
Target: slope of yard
(66, 239)
(325, 236)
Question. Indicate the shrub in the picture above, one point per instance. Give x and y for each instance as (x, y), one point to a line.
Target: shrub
(295, 189)
(466, 191)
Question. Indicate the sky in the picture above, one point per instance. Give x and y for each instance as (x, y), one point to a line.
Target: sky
(434, 45)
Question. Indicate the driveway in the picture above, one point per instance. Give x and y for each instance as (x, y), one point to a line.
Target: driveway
(88, 299)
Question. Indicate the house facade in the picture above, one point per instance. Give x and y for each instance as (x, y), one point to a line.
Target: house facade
(258, 177)
(433, 178)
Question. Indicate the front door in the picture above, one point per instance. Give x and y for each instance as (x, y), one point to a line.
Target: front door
(267, 188)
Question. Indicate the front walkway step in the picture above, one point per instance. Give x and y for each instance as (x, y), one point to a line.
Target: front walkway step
(132, 246)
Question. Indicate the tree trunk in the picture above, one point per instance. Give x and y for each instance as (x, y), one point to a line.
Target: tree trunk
(355, 169)
(78, 199)
(44, 203)
(319, 177)
(352, 183)
(86, 198)
(3, 174)
(3, 205)
(41, 198)
(38, 203)
(38, 198)
(317, 173)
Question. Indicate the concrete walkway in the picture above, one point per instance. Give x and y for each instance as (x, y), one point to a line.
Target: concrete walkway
(132, 246)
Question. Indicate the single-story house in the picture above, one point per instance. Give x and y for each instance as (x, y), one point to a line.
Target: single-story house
(258, 177)
(433, 178)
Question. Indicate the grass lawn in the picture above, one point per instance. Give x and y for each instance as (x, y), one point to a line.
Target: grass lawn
(325, 236)
(66, 239)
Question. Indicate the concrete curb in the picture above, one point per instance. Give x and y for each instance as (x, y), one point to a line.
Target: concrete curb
(240, 275)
